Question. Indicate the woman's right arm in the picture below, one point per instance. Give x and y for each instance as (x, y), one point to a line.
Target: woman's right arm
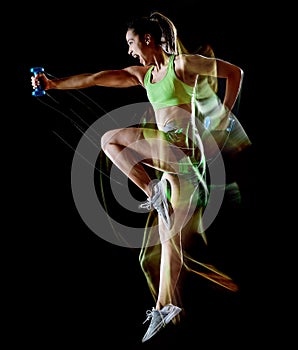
(127, 77)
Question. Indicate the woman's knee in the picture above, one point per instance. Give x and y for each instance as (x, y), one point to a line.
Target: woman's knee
(108, 138)
(123, 137)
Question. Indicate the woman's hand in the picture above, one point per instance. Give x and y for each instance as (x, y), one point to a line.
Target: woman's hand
(40, 80)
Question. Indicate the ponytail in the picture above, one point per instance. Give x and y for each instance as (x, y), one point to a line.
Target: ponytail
(169, 32)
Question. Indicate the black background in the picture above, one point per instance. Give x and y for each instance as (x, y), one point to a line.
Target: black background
(68, 286)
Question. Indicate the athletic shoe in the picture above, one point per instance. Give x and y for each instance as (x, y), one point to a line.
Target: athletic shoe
(159, 319)
(159, 201)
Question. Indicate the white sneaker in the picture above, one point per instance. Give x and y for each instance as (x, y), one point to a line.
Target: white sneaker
(159, 201)
(159, 319)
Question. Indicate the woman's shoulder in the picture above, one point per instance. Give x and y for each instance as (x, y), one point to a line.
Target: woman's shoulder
(182, 61)
(188, 57)
(193, 63)
(137, 69)
(138, 72)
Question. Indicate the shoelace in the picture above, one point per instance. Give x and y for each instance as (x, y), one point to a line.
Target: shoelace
(149, 314)
(146, 205)
(154, 201)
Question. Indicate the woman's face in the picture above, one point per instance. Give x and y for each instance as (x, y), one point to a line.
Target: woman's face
(139, 48)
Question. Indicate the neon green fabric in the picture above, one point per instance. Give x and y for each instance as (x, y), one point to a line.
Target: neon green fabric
(170, 91)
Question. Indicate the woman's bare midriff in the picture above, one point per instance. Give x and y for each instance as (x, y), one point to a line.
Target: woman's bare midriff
(177, 116)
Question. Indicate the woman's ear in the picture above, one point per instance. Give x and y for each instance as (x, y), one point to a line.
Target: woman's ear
(147, 39)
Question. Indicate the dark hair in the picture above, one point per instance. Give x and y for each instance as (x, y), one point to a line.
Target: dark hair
(169, 38)
(160, 27)
(144, 25)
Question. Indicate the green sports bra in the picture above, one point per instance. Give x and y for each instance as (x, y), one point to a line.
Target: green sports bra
(168, 92)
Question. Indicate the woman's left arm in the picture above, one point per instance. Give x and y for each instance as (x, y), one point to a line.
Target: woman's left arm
(234, 77)
(207, 66)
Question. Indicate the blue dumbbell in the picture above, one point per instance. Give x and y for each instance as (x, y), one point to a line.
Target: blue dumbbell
(39, 91)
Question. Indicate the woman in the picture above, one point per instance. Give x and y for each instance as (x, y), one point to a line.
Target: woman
(174, 148)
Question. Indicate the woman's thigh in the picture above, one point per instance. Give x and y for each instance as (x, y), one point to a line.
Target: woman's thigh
(150, 145)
